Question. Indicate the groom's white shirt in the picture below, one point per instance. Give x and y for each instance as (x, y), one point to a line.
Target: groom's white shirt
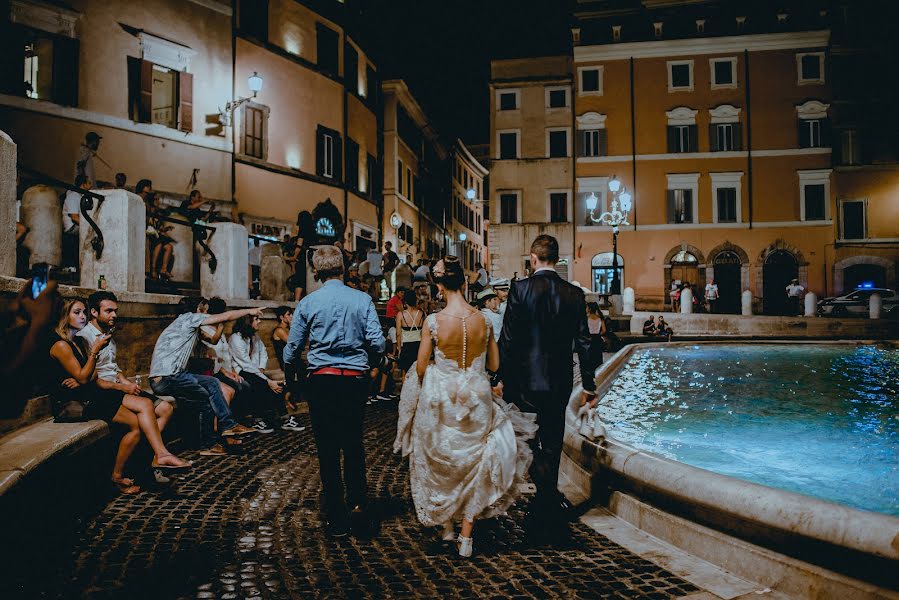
(543, 269)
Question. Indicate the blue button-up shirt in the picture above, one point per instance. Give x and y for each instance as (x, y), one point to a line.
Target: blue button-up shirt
(341, 326)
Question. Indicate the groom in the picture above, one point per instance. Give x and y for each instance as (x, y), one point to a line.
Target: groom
(544, 324)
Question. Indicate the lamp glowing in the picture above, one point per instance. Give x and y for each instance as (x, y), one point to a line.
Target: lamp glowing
(255, 83)
(470, 194)
(625, 200)
(591, 201)
(463, 237)
(614, 185)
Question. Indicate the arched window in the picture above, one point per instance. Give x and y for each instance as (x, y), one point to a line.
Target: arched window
(683, 257)
(603, 271)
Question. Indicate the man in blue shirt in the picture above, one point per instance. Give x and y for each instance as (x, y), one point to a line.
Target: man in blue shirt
(345, 341)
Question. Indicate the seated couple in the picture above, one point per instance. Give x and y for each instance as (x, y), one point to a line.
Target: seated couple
(662, 329)
(90, 385)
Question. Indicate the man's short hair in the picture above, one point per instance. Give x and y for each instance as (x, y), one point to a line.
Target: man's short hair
(388, 244)
(327, 262)
(546, 248)
(190, 304)
(80, 179)
(217, 306)
(142, 185)
(96, 299)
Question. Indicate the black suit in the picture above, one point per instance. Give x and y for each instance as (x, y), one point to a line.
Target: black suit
(544, 324)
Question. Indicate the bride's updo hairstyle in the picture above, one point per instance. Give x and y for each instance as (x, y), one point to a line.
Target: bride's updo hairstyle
(449, 273)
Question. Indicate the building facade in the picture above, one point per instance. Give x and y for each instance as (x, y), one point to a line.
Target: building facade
(149, 78)
(469, 227)
(416, 208)
(310, 139)
(531, 160)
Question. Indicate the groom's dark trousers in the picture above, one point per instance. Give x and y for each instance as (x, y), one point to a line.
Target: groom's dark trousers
(544, 325)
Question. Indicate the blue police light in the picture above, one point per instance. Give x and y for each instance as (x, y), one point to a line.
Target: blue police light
(866, 285)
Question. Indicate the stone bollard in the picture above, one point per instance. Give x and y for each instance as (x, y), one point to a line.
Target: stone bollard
(183, 250)
(746, 303)
(875, 308)
(273, 279)
(7, 205)
(686, 301)
(616, 305)
(42, 214)
(122, 220)
(628, 300)
(811, 304)
(229, 244)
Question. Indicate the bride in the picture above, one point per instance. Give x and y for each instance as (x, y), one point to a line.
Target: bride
(466, 461)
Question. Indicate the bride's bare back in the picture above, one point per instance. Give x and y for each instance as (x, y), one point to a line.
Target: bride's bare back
(462, 337)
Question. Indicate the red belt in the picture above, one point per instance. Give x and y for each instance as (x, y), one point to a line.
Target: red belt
(335, 371)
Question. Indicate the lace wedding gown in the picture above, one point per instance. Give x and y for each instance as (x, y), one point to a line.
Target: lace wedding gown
(467, 449)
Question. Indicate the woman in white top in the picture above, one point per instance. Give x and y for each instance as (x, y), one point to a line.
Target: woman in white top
(597, 326)
(250, 358)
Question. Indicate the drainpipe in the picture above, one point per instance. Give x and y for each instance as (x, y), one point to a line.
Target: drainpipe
(748, 135)
(633, 144)
(574, 132)
(346, 137)
(233, 95)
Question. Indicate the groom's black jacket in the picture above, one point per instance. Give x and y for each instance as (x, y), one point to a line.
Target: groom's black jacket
(544, 324)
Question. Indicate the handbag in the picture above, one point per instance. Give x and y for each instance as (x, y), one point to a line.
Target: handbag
(70, 411)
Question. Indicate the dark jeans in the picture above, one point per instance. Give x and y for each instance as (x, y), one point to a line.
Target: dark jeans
(547, 444)
(262, 400)
(336, 407)
(205, 395)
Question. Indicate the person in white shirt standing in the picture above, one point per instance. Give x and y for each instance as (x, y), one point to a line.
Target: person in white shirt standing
(71, 221)
(103, 307)
(250, 360)
(711, 295)
(254, 261)
(794, 296)
(375, 262)
(84, 164)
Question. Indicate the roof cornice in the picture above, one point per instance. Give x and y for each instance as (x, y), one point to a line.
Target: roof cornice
(697, 46)
(481, 170)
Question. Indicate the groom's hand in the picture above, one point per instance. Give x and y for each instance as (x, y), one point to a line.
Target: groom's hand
(589, 398)
(498, 390)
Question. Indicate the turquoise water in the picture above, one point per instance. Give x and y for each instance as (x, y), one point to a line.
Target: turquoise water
(820, 420)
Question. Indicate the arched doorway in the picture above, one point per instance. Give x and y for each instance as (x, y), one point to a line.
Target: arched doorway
(869, 275)
(728, 277)
(601, 266)
(685, 268)
(779, 269)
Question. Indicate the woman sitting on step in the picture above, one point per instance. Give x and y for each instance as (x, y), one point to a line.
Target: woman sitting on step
(76, 394)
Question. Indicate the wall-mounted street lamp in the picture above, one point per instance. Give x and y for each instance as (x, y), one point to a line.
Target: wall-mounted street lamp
(463, 236)
(614, 219)
(226, 115)
(470, 194)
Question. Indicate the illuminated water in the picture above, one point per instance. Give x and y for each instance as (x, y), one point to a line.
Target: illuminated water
(821, 420)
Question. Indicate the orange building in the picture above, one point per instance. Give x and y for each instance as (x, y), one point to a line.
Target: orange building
(720, 129)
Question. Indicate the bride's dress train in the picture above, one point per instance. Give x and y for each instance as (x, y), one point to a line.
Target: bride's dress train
(468, 451)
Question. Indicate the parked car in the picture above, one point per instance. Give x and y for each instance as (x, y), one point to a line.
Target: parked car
(856, 302)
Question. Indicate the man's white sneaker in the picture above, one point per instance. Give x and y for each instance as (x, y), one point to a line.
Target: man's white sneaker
(383, 397)
(262, 427)
(291, 424)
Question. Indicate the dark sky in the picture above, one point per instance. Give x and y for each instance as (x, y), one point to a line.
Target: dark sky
(442, 48)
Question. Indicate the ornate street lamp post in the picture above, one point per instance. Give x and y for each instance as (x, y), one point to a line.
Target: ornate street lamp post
(614, 219)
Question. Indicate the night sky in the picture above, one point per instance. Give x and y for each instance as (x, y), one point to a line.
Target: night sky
(443, 48)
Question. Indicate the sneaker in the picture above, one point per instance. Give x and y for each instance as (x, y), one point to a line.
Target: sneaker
(261, 427)
(239, 430)
(383, 396)
(291, 424)
(373, 398)
(160, 478)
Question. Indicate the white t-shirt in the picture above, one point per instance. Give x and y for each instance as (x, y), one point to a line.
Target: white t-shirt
(106, 368)
(421, 273)
(221, 349)
(711, 291)
(375, 260)
(483, 278)
(794, 290)
(71, 205)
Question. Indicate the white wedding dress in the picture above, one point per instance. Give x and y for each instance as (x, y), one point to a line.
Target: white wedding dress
(467, 449)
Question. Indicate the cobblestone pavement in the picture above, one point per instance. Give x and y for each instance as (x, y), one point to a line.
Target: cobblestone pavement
(249, 527)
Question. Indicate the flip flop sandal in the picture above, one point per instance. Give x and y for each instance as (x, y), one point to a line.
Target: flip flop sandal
(172, 468)
(126, 487)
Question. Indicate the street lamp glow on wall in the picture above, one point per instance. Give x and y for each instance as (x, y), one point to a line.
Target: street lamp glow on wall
(621, 205)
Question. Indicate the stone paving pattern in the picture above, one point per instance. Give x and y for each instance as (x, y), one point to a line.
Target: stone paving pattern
(249, 527)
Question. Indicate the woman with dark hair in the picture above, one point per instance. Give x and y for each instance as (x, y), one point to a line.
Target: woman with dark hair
(296, 254)
(448, 417)
(409, 322)
(161, 245)
(250, 359)
(597, 326)
(74, 371)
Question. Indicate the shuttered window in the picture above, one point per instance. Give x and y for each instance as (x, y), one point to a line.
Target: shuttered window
(592, 142)
(814, 133)
(39, 65)
(508, 206)
(254, 132)
(727, 205)
(352, 164)
(328, 49)
(328, 148)
(814, 202)
(165, 96)
(558, 207)
(725, 137)
(681, 138)
(680, 206)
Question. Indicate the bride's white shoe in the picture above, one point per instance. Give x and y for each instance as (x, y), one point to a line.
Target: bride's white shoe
(449, 532)
(466, 545)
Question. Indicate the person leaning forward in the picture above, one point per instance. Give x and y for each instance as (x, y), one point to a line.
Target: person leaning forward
(345, 342)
